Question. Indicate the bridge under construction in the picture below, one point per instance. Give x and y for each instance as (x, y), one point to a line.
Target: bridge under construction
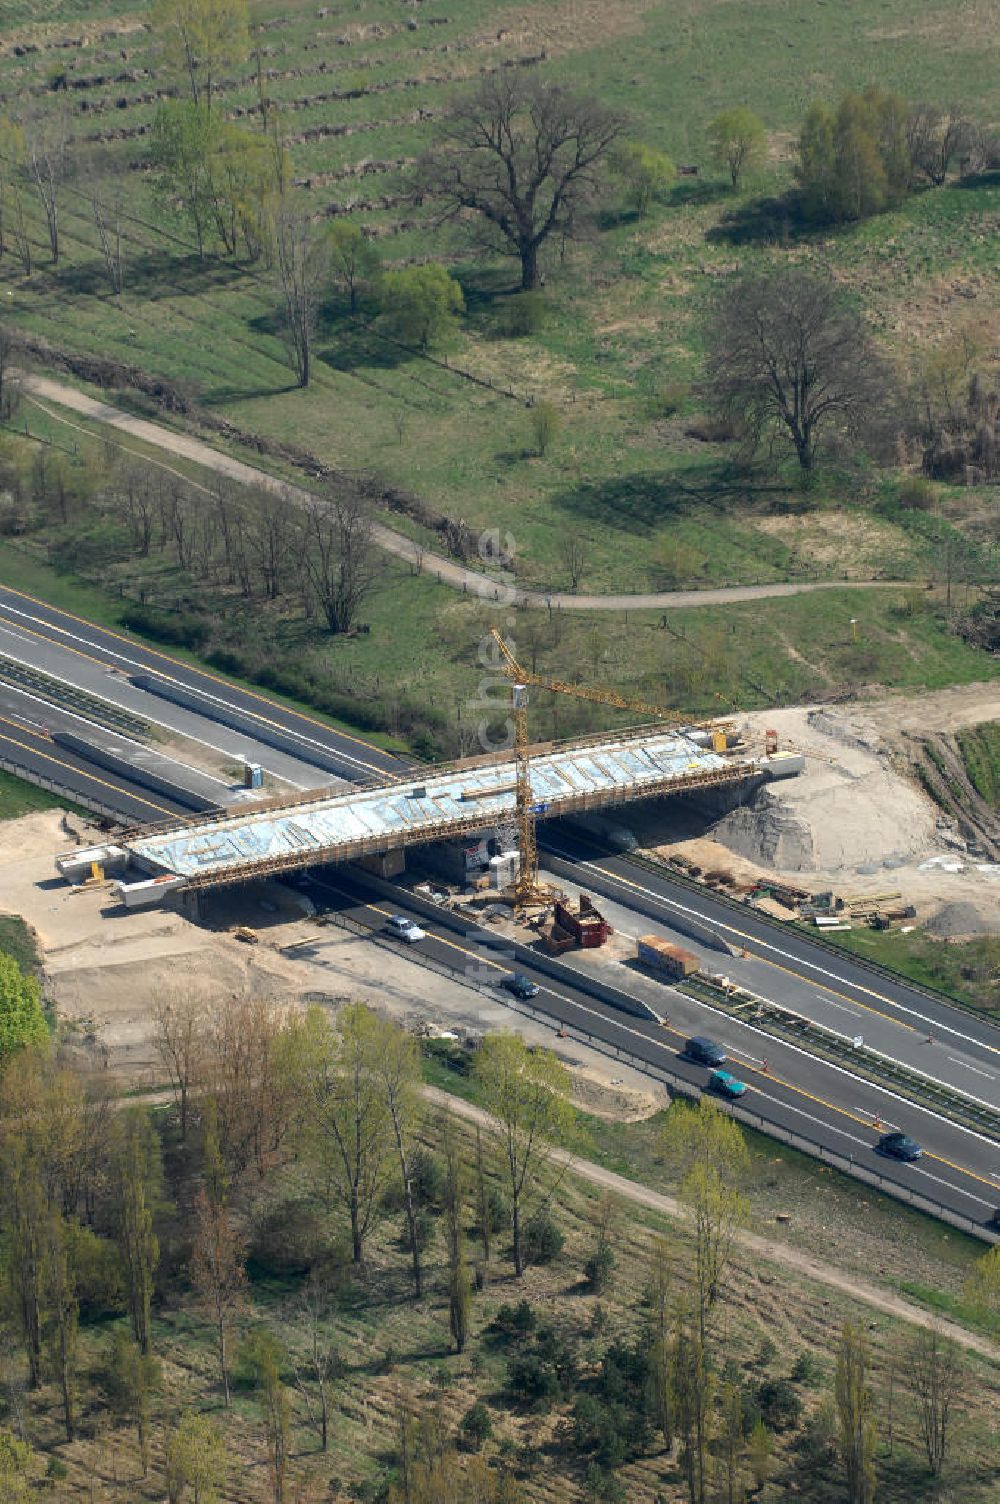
(263, 839)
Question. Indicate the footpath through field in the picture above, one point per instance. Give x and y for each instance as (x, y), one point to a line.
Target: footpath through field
(446, 571)
(775, 1253)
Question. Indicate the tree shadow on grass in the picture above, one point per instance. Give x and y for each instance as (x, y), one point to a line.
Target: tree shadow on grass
(690, 192)
(151, 274)
(759, 221)
(634, 503)
(357, 347)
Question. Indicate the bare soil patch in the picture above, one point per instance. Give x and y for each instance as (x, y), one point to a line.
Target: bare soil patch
(855, 819)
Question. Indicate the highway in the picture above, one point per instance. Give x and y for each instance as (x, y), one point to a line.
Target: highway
(796, 1091)
(960, 1168)
(48, 630)
(829, 987)
(29, 747)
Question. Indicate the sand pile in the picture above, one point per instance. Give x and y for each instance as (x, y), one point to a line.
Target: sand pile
(849, 811)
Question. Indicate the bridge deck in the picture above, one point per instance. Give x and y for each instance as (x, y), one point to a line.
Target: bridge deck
(341, 827)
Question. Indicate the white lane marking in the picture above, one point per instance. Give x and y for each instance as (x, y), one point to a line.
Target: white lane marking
(165, 725)
(143, 668)
(790, 1106)
(122, 735)
(975, 1068)
(829, 1002)
(786, 955)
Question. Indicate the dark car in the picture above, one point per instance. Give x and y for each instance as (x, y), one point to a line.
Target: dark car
(899, 1146)
(704, 1051)
(520, 985)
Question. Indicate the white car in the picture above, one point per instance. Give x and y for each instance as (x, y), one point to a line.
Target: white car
(405, 929)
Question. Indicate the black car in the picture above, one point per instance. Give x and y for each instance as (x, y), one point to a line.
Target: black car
(704, 1051)
(899, 1146)
(520, 985)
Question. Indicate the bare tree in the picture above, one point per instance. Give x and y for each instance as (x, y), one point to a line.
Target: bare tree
(347, 1128)
(180, 1025)
(790, 361)
(398, 1068)
(301, 260)
(218, 1272)
(249, 1075)
(524, 157)
(573, 551)
(936, 1377)
(937, 139)
(268, 521)
(45, 151)
(13, 162)
(339, 562)
(10, 387)
(321, 1366)
(107, 210)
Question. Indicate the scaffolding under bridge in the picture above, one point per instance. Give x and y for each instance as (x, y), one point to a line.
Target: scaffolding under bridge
(260, 840)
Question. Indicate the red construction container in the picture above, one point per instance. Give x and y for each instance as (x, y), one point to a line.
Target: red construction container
(586, 924)
(660, 955)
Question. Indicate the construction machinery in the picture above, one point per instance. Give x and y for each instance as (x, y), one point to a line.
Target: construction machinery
(526, 887)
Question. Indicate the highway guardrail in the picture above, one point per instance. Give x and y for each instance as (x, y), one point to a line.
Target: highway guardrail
(676, 1084)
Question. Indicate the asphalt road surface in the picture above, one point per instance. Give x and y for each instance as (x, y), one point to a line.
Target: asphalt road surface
(46, 628)
(960, 1168)
(30, 748)
(795, 1090)
(788, 967)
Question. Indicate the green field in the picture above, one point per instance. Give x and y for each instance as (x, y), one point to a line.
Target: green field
(624, 305)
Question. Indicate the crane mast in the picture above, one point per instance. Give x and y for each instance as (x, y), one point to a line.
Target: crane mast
(526, 887)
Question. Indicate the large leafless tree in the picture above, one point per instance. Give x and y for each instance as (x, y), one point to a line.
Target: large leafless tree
(301, 265)
(791, 362)
(522, 157)
(339, 561)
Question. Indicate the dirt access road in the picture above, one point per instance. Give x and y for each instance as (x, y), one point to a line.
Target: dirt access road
(761, 1248)
(43, 389)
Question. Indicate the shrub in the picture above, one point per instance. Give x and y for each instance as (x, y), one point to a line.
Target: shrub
(543, 1240)
(424, 1229)
(512, 1323)
(545, 1374)
(421, 304)
(546, 421)
(669, 397)
(599, 1267)
(476, 1426)
(603, 1487)
(427, 1179)
(497, 1208)
(646, 174)
(97, 1266)
(780, 1406)
(181, 629)
(916, 494)
(524, 314)
(806, 1370)
(289, 1238)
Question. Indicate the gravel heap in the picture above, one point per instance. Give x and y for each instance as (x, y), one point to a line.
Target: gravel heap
(955, 919)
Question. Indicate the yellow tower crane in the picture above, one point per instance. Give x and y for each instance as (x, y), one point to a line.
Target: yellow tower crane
(526, 888)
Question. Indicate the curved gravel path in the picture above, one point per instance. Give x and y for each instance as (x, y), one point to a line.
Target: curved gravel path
(761, 1248)
(447, 571)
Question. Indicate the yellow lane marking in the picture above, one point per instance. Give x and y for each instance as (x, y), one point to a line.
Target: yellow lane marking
(80, 773)
(791, 1086)
(819, 985)
(191, 668)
